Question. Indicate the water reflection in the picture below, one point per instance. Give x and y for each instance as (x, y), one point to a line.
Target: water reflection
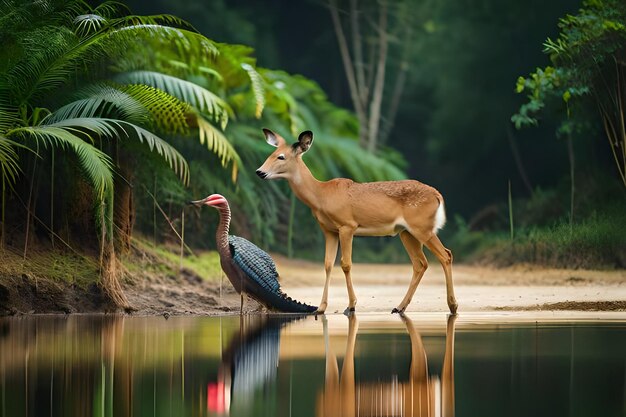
(366, 365)
(249, 364)
(422, 395)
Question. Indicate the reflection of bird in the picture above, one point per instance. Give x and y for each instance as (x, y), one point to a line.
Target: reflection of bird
(249, 365)
(251, 270)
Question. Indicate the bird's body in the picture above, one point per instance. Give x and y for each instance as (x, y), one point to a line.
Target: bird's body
(250, 270)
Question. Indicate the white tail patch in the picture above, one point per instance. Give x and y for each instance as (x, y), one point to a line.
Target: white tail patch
(440, 217)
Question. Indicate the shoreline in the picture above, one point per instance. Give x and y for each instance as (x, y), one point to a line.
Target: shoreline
(379, 287)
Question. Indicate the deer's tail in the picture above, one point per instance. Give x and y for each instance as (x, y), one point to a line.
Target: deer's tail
(440, 216)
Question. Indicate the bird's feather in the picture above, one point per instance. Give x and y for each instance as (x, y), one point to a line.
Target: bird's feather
(255, 263)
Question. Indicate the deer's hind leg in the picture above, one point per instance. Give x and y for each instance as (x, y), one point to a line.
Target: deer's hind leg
(346, 235)
(444, 255)
(416, 253)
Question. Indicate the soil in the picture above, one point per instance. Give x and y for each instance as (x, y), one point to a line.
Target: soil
(379, 288)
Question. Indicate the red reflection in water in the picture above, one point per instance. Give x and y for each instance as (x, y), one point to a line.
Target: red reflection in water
(215, 397)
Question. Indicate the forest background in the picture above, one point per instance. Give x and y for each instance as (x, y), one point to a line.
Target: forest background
(506, 108)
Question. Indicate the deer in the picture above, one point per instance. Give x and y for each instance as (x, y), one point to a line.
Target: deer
(345, 208)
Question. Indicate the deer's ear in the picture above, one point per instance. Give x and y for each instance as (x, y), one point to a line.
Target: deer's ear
(305, 140)
(273, 139)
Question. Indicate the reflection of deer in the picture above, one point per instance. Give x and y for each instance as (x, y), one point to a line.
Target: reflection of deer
(423, 395)
(344, 209)
(338, 398)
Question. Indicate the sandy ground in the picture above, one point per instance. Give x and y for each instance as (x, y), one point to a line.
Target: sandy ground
(379, 288)
(524, 289)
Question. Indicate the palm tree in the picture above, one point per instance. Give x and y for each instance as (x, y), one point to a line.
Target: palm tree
(105, 110)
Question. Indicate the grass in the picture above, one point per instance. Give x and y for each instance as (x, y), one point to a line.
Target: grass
(596, 242)
(54, 265)
(72, 269)
(166, 260)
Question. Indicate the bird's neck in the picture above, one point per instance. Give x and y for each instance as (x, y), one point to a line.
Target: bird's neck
(221, 235)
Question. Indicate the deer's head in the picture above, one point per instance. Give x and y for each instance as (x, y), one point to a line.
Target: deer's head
(282, 163)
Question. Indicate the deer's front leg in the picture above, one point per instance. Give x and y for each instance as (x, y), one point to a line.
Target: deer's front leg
(345, 238)
(332, 241)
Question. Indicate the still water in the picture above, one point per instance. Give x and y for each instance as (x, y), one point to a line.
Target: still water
(364, 365)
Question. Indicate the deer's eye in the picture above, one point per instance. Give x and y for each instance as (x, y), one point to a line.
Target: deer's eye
(281, 157)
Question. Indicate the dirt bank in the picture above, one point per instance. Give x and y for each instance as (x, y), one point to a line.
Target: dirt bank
(379, 288)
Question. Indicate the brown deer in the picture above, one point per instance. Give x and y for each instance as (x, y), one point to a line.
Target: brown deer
(344, 208)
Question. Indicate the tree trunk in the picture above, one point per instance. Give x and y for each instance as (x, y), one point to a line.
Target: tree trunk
(570, 157)
(110, 272)
(355, 91)
(379, 83)
(124, 212)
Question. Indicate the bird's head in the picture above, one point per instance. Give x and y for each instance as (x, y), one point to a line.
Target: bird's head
(215, 200)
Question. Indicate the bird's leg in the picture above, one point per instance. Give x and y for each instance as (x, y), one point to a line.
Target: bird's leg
(243, 301)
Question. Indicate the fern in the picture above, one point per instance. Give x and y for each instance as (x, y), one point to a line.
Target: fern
(186, 91)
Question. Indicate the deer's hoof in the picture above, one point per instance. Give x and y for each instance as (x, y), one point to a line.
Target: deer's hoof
(349, 311)
(397, 311)
(453, 308)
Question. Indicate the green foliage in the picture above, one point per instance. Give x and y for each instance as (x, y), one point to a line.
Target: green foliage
(543, 233)
(96, 164)
(595, 242)
(79, 79)
(69, 43)
(9, 160)
(587, 69)
(202, 99)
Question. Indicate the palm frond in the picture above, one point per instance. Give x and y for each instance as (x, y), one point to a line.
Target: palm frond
(111, 9)
(197, 96)
(9, 160)
(173, 158)
(95, 163)
(160, 36)
(257, 88)
(282, 102)
(19, 15)
(166, 20)
(55, 52)
(87, 24)
(102, 100)
(168, 113)
(9, 117)
(49, 63)
(217, 143)
(110, 128)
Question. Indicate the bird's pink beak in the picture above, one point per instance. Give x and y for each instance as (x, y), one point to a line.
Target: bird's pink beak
(212, 200)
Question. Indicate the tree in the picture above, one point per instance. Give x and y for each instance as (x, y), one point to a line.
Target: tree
(588, 65)
(381, 37)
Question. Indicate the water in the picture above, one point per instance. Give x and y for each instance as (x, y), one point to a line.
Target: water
(366, 365)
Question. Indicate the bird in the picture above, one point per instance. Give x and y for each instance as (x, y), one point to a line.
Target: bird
(249, 269)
